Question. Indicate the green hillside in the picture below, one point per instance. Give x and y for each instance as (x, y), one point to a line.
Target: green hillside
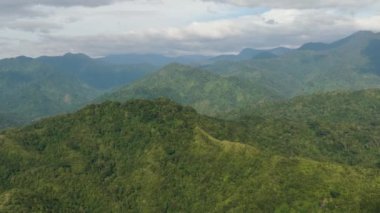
(339, 126)
(208, 93)
(157, 156)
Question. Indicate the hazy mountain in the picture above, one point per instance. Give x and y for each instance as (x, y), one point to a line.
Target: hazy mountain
(31, 89)
(34, 88)
(348, 64)
(207, 92)
(154, 59)
(359, 38)
(161, 60)
(120, 157)
(249, 53)
(7, 120)
(95, 72)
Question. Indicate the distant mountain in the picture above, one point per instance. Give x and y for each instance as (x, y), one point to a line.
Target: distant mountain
(95, 72)
(35, 88)
(358, 38)
(207, 92)
(372, 52)
(157, 156)
(249, 53)
(347, 64)
(7, 120)
(32, 89)
(153, 59)
(161, 60)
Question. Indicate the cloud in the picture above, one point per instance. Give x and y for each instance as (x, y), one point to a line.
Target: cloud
(13, 4)
(33, 26)
(278, 27)
(300, 4)
(174, 27)
(30, 8)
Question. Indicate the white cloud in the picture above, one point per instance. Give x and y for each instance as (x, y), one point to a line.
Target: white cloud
(12, 4)
(176, 27)
(301, 4)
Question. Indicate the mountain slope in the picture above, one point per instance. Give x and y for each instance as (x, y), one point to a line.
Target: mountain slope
(207, 92)
(338, 126)
(155, 156)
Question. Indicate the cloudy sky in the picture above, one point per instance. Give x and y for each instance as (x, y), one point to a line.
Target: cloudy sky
(175, 27)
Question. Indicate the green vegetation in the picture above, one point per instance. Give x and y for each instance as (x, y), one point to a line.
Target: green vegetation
(35, 88)
(339, 126)
(157, 156)
(208, 93)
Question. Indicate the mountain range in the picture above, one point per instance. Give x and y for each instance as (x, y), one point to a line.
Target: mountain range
(348, 64)
(209, 93)
(281, 130)
(227, 85)
(39, 87)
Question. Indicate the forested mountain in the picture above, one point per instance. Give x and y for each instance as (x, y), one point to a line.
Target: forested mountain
(348, 64)
(34, 88)
(338, 126)
(207, 92)
(157, 156)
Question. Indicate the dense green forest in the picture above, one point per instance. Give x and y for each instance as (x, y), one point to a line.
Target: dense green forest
(338, 126)
(157, 156)
(207, 92)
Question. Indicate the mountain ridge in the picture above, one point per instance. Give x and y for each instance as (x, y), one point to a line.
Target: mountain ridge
(124, 154)
(208, 92)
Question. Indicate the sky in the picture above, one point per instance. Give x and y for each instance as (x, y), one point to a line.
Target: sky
(176, 27)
